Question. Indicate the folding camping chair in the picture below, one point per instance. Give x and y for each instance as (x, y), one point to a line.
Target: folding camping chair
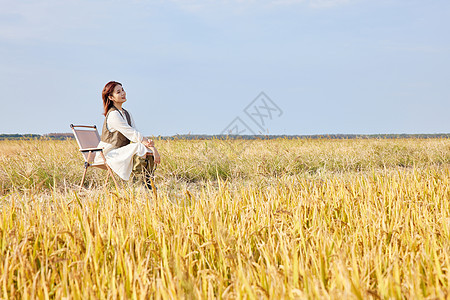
(87, 138)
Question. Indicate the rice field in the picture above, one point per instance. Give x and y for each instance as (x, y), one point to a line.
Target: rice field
(260, 219)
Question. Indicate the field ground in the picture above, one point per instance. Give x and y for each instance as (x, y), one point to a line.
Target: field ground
(349, 219)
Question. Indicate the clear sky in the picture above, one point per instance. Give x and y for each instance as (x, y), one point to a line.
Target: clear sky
(193, 66)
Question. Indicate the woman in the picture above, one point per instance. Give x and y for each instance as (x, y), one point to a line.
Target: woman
(125, 149)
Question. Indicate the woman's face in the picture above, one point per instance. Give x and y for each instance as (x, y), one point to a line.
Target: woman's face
(118, 95)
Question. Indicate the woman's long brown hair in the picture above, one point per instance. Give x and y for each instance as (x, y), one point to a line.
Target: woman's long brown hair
(107, 91)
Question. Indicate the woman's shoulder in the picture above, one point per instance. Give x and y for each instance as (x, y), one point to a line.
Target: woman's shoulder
(118, 117)
(113, 117)
(114, 114)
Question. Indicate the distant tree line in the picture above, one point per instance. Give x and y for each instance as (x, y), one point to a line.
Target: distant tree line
(17, 136)
(50, 136)
(317, 136)
(65, 136)
(59, 136)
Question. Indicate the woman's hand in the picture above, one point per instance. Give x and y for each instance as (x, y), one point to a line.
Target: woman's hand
(151, 145)
(156, 156)
(148, 143)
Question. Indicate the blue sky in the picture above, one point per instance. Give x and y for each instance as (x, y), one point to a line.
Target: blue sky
(331, 66)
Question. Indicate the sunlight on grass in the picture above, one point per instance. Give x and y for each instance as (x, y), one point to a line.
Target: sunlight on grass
(350, 219)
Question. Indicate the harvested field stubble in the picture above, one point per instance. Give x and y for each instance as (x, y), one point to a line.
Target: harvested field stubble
(257, 219)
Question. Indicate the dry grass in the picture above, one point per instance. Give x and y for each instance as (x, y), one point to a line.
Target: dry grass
(241, 219)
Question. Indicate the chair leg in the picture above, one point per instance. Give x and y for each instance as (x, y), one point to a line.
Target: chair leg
(84, 176)
(86, 166)
(107, 177)
(109, 171)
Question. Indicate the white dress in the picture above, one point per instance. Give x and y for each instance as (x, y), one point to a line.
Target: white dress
(121, 159)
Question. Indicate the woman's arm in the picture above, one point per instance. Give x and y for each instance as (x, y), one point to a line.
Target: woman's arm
(156, 156)
(116, 122)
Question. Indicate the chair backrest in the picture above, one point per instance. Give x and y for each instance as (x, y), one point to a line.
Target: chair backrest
(87, 137)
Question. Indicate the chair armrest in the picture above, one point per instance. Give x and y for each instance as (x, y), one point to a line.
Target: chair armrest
(91, 149)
